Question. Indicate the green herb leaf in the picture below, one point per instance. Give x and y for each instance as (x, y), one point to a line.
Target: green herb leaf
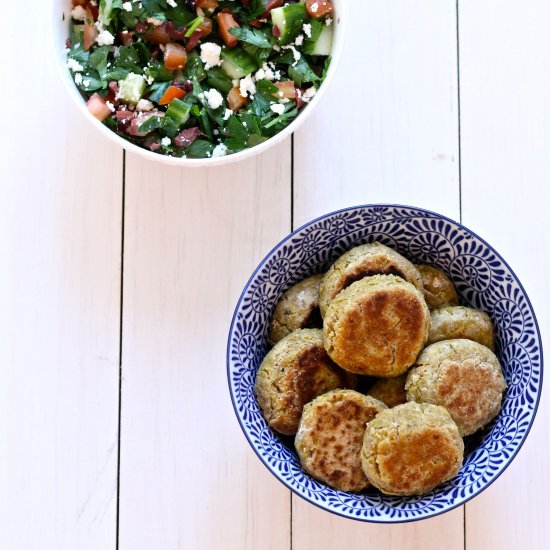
(154, 6)
(301, 72)
(200, 148)
(255, 37)
(98, 60)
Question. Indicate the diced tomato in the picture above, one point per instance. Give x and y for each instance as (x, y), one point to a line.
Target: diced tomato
(203, 31)
(318, 8)
(234, 99)
(90, 30)
(175, 56)
(158, 35)
(209, 5)
(226, 21)
(287, 90)
(98, 107)
(255, 23)
(82, 3)
(206, 26)
(173, 92)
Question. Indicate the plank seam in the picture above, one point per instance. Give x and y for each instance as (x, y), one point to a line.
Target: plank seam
(458, 111)
(120, 346)
(459, 180)
(291, 229)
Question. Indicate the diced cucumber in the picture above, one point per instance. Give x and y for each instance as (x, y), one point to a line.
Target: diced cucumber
(323, 45)
(289, 20)
(131, 88)
(219, 80)
(237, 63)
(175, 117)
(178, 112)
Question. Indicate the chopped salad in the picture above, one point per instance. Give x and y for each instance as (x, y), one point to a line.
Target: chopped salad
(199, 78)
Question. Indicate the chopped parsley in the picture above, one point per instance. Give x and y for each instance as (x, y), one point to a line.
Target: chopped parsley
(200, 78)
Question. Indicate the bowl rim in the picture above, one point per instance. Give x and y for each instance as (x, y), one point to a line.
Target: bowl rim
(228, 362)
(56, 50)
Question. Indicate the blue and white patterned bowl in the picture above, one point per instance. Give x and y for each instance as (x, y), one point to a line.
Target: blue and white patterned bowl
(483, 279)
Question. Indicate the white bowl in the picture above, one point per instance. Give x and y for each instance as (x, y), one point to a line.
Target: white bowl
(61, 18)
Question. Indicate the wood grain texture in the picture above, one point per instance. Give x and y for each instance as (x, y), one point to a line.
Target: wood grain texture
(388, 128)
(60, 234)
(505, 86)
(387, 132)
(188, 477)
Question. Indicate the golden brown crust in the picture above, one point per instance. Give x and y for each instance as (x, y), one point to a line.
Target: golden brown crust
(439, 290)
(297, 308)
(293, 373)
(330, 437)
(462, 376)
(459, 322)
(410, 449)
(391, 391)
(377, 326)
(364, 261)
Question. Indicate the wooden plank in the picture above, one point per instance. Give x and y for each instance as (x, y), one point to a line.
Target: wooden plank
(60, 234)
(193, 237)
(386, 132)
(505, 85)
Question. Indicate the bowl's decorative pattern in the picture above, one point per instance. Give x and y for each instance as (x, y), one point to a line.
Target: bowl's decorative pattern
(483, 280)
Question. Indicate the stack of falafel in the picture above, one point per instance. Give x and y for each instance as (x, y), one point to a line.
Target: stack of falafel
(366, 324)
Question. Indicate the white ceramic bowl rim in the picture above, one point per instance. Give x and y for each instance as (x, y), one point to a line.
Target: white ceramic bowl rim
(436, 215)
(59, 33)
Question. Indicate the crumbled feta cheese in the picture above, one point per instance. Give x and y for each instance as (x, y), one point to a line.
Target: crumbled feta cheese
(314, 7)
(219, 151)
(111, 106)
(328, 21)
(127, 6)
(214, 98)
(150, 80)
(78, 13)
(172, 3)
(155, 22)
(85, 83)
(105, 38)
(299, 40)
(78, 79)
(276, 48)
(307, 29)
(265, 72)
(277, 108)
(166, 142)
(247, 86)
(74, 65)
(309, 94)
(210, 55)
(297, 55)
(144, 105)
(227, 114)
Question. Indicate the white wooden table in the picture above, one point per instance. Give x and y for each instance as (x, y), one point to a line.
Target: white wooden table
(118, 278)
